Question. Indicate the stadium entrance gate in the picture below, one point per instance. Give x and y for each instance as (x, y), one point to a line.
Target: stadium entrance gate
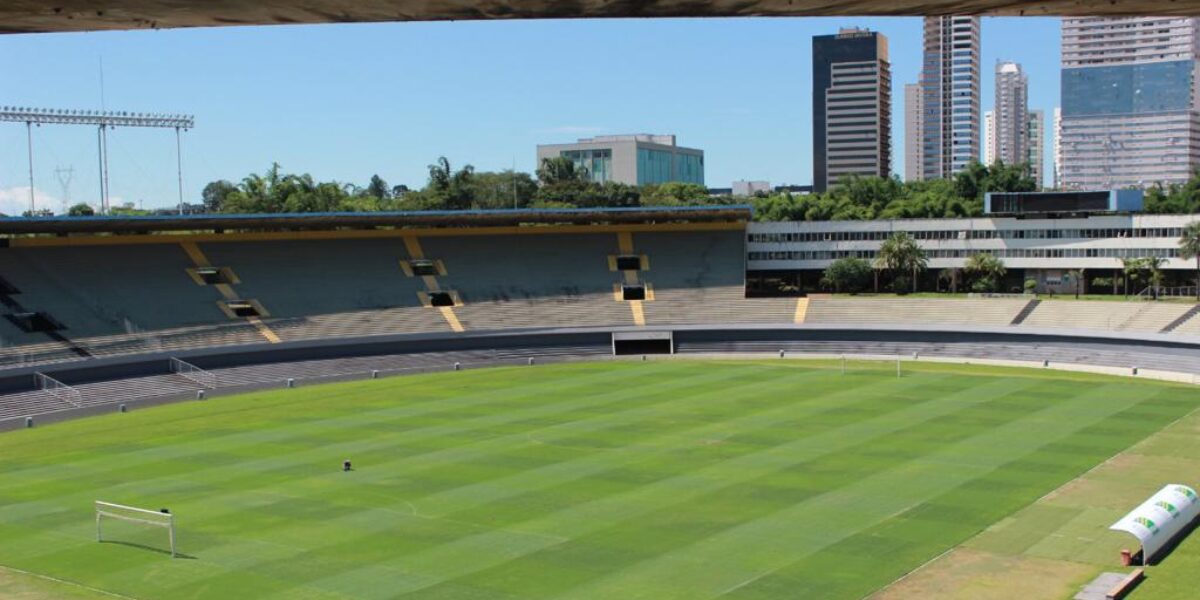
(643, 342)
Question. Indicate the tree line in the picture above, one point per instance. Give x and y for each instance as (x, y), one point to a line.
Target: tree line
(559, 183)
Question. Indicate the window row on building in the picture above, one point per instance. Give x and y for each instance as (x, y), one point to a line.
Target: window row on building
(979, 234)
(963, 253)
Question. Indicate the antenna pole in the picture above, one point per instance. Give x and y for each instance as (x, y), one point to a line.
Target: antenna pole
(104, 166)
(179, 167)
(29, 138)
(100, 159)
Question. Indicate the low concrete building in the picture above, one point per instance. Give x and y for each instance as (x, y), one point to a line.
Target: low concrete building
(638, 159)
(750, 188)
(1042, 249)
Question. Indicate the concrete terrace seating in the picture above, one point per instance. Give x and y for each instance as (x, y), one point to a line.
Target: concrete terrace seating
(223, 334)
(36, 354)
(699, 277)
(1110, 316)
(1154, 316)
(518, 281)
(328, 288)
(682, 306)
(111, 289)
(24, 404)
(359, 323)
(1189, 327)
(333, 368)
(118, 299)
(301, 278)
(112, 392)
(915, 311)
(1185, 361)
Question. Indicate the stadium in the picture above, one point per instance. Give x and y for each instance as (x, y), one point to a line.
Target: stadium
(562, 403)
(627, 385)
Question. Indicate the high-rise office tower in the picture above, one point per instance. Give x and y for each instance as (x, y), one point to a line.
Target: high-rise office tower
(852, 107)
(1036, 153)
(1011, 121)
(950, 91)
(913, 156)
(1130, 113)
(989, 137)
(1057, 175)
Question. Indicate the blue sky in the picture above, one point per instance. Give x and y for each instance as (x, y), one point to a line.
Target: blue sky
(346, 101)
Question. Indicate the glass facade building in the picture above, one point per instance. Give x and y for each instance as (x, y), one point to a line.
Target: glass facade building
(640, 159)
(653, 166)
(689, 168)
(596, 163)
(950, 91)
(1135, 89)
(1129, 106)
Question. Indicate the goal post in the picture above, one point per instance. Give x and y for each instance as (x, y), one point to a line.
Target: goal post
(133, 514)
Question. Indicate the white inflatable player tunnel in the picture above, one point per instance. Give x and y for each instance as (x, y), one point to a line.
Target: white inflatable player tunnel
(1156, 521)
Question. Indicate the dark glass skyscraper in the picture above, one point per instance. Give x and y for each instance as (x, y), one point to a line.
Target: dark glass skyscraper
(852, 107)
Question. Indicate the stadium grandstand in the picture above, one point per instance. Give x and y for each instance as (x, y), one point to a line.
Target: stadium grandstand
(91, 302)
(654, 402)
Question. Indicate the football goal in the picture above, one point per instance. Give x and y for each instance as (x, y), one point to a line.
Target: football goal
(140, 516)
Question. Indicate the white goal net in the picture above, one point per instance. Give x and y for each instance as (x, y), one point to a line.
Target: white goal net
(139, 516)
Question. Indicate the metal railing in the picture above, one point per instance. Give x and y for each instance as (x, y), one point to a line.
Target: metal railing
(193, 373)
(1152, 292)
(58, 389)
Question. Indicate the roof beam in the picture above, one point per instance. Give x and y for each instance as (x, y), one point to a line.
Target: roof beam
(39, 16)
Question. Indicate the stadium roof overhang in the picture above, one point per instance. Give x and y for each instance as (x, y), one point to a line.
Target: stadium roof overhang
(10, 226)
(34, 16)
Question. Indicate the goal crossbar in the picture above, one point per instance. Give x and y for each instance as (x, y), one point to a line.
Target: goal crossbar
(58, 389)
(133, 514)
(193, 373)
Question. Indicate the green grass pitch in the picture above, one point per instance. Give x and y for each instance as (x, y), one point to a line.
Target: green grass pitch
(657, 480)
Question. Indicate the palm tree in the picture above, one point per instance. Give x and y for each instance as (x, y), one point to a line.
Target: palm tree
(1189, 247)
(1132, 268)
(1077, 275)
(901, 254)
(1155, 264)
(440, 174)
(988, 269)
(560, 170)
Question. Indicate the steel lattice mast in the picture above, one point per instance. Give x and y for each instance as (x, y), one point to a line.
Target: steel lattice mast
(103, 120)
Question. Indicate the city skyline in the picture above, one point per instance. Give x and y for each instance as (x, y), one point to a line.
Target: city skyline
(285, 94)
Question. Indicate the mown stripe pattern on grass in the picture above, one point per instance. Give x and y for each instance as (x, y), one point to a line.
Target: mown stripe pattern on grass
(656, 480)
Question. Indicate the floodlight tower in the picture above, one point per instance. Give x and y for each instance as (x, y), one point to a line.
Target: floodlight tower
(103, 120)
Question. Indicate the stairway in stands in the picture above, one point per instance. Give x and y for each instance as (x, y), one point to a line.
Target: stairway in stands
(1025, 312)
(1184, 318)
